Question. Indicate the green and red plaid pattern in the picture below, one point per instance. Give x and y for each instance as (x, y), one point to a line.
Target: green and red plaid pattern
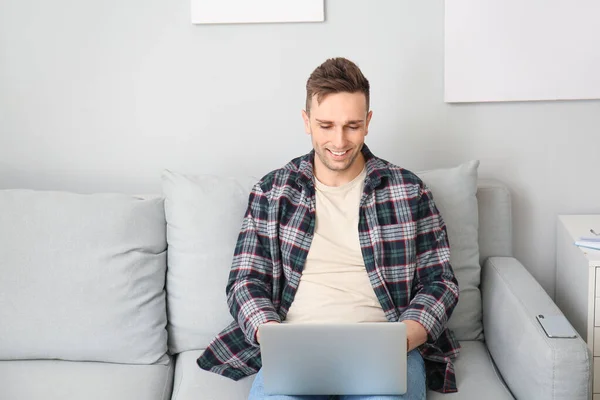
(405, 248)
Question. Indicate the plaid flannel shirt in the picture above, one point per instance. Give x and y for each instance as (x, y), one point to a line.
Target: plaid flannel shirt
(404, 245)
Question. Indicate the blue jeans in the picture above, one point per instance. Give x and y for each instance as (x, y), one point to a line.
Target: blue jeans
(416, 389)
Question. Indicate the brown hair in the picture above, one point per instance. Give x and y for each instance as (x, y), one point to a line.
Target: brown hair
(334, 76)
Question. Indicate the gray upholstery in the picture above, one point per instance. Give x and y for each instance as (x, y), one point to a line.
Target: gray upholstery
(82, 277)
(477, 377)
(76, 380)
(455, 194)
(203, 215)
(515, 351)
(511, 298)
(193, 383)
(475, 371)
(495, 220)
(534, 366)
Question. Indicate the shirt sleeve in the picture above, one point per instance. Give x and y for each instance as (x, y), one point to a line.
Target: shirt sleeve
(249, 288)
(435, 288)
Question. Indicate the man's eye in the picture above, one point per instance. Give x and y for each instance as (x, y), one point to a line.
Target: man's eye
(354, 127)
(325, 126)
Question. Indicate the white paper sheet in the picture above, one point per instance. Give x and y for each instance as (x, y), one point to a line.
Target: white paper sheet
(256, 11)
(509, 50)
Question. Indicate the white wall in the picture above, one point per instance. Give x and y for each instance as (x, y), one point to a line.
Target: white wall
(101, 96)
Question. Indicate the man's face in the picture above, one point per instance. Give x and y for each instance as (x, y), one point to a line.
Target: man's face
(338, 126)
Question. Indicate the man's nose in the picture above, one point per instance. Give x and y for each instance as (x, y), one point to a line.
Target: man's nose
(339, 138)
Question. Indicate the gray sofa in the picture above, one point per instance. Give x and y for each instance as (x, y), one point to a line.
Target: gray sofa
(89, 309)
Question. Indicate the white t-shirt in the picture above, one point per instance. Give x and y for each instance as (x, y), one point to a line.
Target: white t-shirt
(334, 286)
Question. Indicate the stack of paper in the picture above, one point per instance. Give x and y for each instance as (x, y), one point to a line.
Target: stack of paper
(589, 242)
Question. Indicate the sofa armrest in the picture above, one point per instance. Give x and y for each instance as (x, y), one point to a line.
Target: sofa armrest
(533, 365)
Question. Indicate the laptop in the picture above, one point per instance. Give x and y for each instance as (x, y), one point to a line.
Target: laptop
(334, 359)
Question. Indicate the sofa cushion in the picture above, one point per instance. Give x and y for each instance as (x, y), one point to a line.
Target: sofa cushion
(476, 377)
(82, 277)
(495, 220)
(204, 215)
(193, 383)
(454, 192)
(69, 380)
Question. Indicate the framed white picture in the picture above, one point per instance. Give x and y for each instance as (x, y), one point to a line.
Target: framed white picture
(515, 50)
(256, 11)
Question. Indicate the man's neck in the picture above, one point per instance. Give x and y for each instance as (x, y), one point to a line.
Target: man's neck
(338, 178)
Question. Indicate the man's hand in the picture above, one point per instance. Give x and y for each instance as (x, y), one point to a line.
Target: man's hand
(415, 334)
(258, 333)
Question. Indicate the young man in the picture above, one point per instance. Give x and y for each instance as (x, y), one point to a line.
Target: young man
(339, 235)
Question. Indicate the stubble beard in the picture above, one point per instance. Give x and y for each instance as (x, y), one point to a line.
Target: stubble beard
(332, 165)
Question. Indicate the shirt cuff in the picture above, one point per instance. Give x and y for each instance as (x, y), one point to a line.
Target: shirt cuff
(255, 320)
(429, 321)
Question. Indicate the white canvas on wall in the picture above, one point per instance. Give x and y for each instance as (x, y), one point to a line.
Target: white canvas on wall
(515, 50)
(256, 11)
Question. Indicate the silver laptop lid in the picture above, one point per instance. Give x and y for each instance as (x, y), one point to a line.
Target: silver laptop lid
(334, 359)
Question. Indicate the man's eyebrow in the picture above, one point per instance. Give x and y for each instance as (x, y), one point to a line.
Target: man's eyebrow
(353, 122)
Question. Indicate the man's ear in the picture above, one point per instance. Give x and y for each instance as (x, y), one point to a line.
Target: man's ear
(306, 119)
(369, 115)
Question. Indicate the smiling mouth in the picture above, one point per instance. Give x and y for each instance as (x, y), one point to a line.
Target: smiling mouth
(338, 153)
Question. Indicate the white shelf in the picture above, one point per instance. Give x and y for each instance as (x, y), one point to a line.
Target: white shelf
(580, 225)
(578, 283)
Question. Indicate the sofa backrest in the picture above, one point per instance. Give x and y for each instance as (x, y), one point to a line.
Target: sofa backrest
(62, 250)
(495, 220)
(455, 194)
(204, 215)
(82, 277)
